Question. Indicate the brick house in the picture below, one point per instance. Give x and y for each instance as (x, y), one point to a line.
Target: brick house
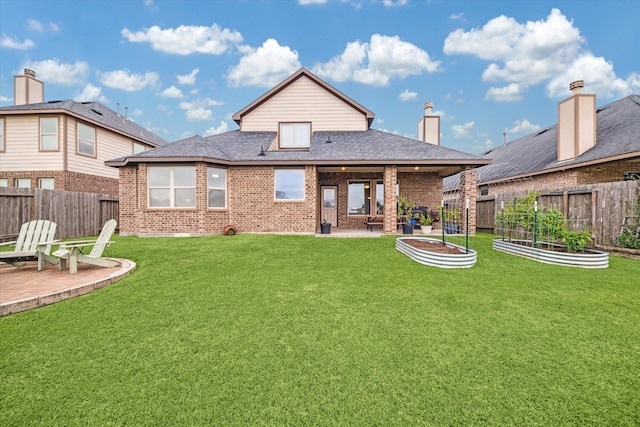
(303, 152)
(63, 145)
(587, 146)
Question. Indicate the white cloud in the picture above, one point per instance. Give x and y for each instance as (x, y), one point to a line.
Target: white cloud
(188, 79)
(197, 111)
(91, 93)
(306, 2)
(378, 61)
(598, 75)
(186, 39)
(216, 130)
(522, 127)
(525, 54)
(11, 43)
(511, 92)
(407, 95)
(462, 131)
(53, 71)
(172, 92)
(456, 16)
(265, 66)
(198, 114)
(394, 3)
(35, 25)
(203, 102)
(124, 80)
(137, 112)
(5, 98)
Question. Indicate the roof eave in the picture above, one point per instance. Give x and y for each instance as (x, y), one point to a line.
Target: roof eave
(79, 116)
(561, 168)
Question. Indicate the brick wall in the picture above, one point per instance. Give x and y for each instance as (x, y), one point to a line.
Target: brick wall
(68, 181)
(251, 205)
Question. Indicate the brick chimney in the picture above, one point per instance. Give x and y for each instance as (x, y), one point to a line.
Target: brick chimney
(576, 123)
(429, 126)
(26, 89)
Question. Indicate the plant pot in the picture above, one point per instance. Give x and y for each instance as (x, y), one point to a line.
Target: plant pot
(426, 229)
(325, 228)
(407, 228)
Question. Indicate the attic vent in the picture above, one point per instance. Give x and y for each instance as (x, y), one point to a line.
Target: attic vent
(601, 109)
(96, 111)
(85, 102)
(54, 102)
(542, 131)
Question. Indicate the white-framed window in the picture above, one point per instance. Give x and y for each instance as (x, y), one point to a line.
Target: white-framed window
(86, 140)
(359, 198)
(172, 186)
(46, 183)
(23, 182)
(217, 186)
(2, 135)
(48, 133)
(289, 184)
(295, 135)
(138, 148)
(4, 182)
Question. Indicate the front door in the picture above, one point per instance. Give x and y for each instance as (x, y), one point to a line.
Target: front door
(329, 209)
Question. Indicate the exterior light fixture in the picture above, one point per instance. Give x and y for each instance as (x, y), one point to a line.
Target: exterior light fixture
(343, 168)
(416, 168)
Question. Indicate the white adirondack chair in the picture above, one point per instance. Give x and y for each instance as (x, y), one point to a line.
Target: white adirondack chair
(34, 243)
(72, 251)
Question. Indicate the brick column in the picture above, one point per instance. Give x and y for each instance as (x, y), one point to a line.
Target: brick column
(390, 212)
(128, 200)
(469, 191)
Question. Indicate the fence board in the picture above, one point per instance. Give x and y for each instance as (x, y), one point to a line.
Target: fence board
(77, 214)
(579, 205)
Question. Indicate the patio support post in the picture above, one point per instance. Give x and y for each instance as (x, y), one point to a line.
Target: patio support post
(390, 211)
(469, 192)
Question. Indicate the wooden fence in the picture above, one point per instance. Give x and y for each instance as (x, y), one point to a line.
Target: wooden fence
(601, 207)
(77, 214)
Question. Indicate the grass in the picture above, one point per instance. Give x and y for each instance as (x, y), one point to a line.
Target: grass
(296, 330)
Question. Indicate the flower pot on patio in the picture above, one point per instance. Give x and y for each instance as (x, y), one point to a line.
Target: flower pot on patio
(325, 228)
(407, 228)
(426, 229)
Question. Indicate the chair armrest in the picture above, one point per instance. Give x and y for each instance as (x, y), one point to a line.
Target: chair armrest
(77, 243)
(80, 243)
(12, 243)
(51, 242)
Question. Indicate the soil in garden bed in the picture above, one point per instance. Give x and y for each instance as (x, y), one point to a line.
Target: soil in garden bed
(435, 247)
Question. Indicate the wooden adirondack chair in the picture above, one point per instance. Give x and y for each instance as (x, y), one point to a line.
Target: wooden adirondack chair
(34, 243)
(72, 251)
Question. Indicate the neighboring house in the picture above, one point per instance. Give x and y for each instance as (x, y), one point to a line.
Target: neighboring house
(587, 146)
(304, 152)
(63, 145)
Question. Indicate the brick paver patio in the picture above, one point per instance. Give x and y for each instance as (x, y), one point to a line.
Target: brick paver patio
(24, 288)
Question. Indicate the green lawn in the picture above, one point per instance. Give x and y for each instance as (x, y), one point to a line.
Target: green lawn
(298, 330)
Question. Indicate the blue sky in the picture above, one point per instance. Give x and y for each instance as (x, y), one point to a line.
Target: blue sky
(185, 67)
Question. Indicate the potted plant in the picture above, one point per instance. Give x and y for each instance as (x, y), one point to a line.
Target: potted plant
(405, 212)
(325, 227)
(426, 224)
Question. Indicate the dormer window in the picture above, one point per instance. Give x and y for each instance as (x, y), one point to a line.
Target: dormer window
(295, 135)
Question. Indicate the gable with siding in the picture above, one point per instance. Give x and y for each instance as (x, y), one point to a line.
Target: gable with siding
(304, 98)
